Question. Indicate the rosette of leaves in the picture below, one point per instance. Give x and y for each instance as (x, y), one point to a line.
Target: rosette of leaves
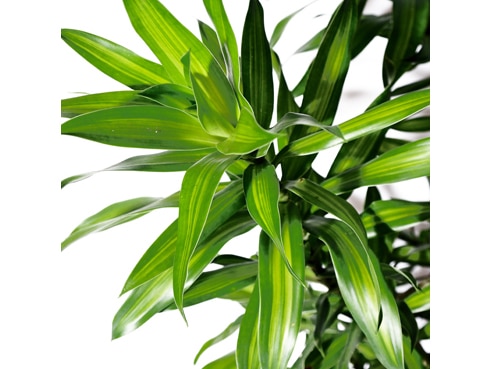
(214, 112)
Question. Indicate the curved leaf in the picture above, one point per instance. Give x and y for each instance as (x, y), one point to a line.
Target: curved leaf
(225, 362)
(194, 207)
(419, 300)
(281, 295)
(116, 61)
(247, 341)
(152, 127)
(211, 41)
(406, 162)
(119, 213)
(168, 161)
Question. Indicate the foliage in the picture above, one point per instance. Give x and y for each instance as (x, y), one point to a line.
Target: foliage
(350, 280)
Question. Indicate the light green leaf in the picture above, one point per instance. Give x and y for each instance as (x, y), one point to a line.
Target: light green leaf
(172, 95)
(419, 300)
(170, 41)
(152, 127)
(225, 362)
(395, 214)
(168, 161)
(281, 295)
(116, 61)
(247, 342)
(256, 65)
(160, 254)
(373, 120)
(341, 349)
(217, 13)
(363, 289)
(194, 207)
(156, 294)
(211, 41)
(247, 137)
(119, 213)
(280, 26)
(74, 106)
(329, 202)
(327, 75)
(406, 162)
(230, 329)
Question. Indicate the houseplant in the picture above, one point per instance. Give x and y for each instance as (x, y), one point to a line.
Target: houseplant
(349, 279)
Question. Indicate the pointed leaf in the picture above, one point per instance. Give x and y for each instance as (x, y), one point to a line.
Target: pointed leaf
(330, 67)
(168, 161)
(419, 300)
(373, 120)
(341, 349)
(193, 212)
(396, 214)
(225, 362)
(363, 289)
(247, 341)
(156, 294)
(153, 127)
(256, 65)
(280, 26)
(230, 329)
(160, 254)
(281, 295)
(116, 61)
(171, 95)
(119, 213)
(211, 41)
(74, 106)
(406, 162)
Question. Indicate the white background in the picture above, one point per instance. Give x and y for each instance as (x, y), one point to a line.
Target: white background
(57, 308)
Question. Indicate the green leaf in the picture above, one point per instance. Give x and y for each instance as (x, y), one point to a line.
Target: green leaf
(211, 41)
(419, 300)
(256, 65)
(119, 213)
(170, 41)
(406, 162)
(410, 21)
(74, 106)
(225, 362)
(247, 342)
(152, 127)
(168, 161)
(396, 214)
(116, 61)
(247, 137)
(280, 26)
(217, 13)
(171, 95)
(368, 28)
(281, 295)
(363, 289)
(194, 207)
(329, 202)
(341, 349)
(327, 75)
(230, 329)
(373, 120)
(219, 283)
(160, 254)
(420, 124)
(156, 294)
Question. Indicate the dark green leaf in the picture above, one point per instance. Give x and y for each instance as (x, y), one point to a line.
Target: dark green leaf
(211, 41)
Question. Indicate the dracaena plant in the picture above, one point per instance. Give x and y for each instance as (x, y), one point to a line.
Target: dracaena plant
(349, 280)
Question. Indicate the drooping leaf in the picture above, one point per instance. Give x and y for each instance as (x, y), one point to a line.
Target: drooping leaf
(194, 207)
(327, 75)
(363, 289)
(406, 162)
(247, 342)
(117, 62)
(419, 300)
(395, 214)
(368, 28)
(227, 332)
(74, 106)
(153, 127)
(167, 161)
(156, 294)
(256, 65)
(119, 213)
(373, 120)
(160, 254)
(281, 295)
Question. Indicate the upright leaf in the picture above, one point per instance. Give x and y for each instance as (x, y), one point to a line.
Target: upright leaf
(256, 65)
(225, 362)
(247, 341)
(194, 207)
(117, 62)
(281, 295)
(211, 41)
